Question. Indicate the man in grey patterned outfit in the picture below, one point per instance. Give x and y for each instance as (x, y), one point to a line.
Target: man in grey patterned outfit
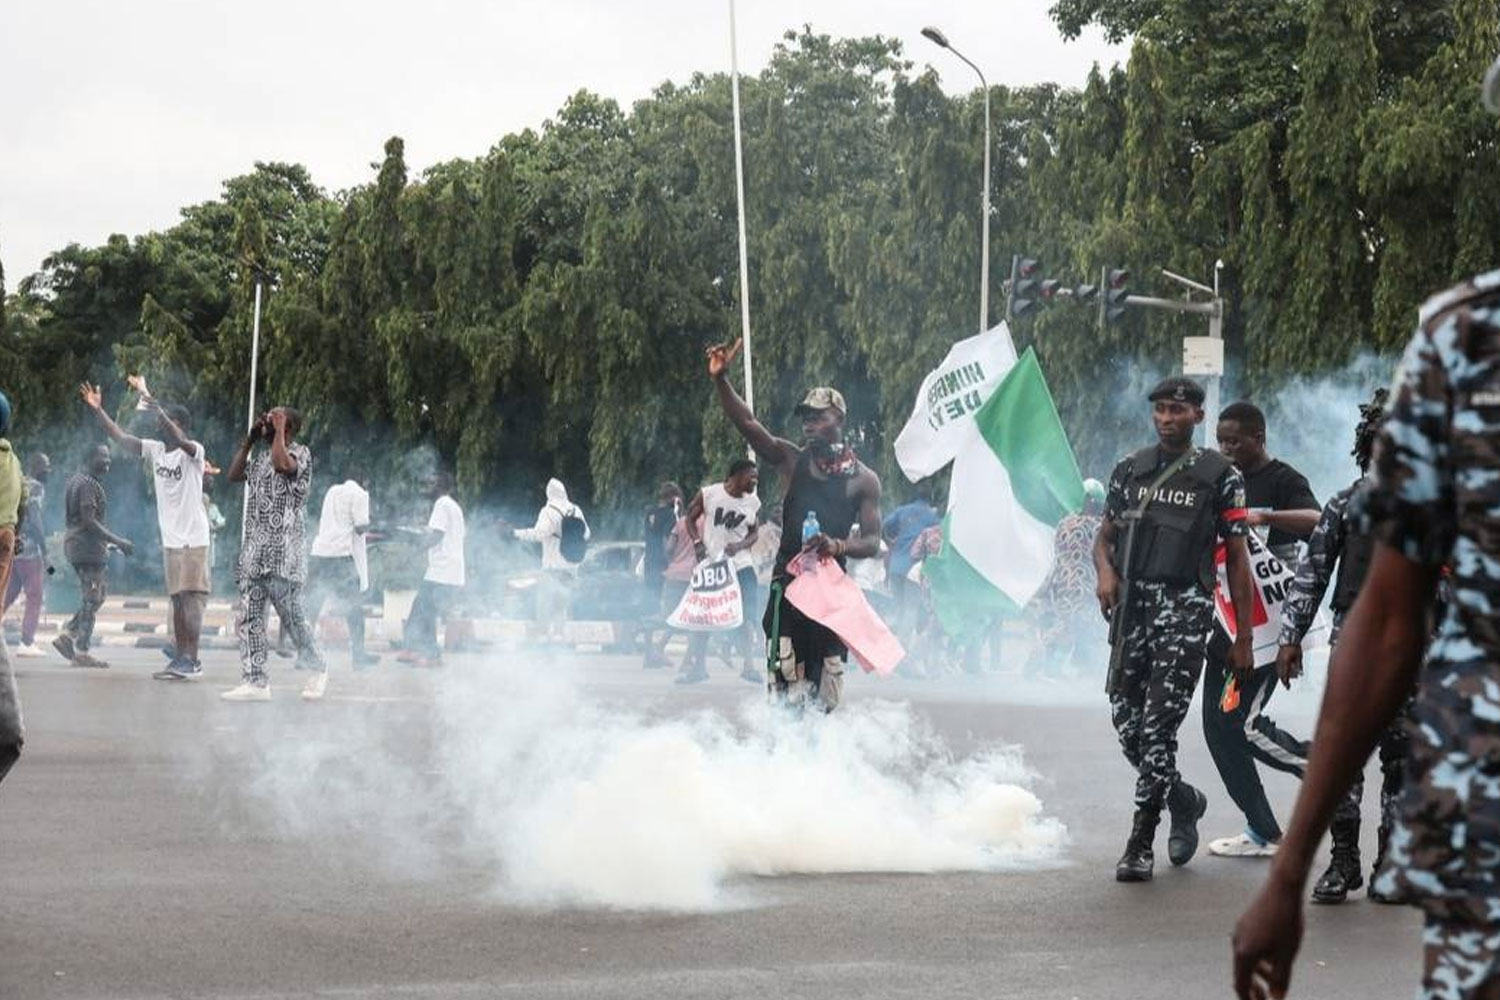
(1338, 542)
(1433, 501)
(273, 558)
(1166, 506)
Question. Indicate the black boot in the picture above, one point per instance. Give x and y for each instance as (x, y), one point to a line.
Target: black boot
(1186, 805)
(1135, 864)
(1382, 839)
(1343, 874)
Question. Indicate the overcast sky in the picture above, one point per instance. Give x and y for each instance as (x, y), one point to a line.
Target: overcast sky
(117, 114)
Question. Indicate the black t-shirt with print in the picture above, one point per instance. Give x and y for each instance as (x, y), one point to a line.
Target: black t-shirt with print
(1278, 486)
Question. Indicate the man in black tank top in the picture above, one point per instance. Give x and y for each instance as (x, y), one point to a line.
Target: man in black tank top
(1165, 508)
(823, 477)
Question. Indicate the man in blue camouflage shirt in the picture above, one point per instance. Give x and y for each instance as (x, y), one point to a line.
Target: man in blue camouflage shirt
(1338, 555)
(1434, 499)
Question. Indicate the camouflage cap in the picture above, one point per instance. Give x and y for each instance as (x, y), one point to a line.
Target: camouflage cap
(822, 398)
(1178, 390)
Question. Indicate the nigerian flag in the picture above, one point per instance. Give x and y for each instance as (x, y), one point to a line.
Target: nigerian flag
(1013, 480)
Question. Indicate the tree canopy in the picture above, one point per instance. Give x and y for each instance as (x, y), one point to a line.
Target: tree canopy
(542, 308)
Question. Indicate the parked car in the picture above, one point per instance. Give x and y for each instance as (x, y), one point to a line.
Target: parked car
(609, 587)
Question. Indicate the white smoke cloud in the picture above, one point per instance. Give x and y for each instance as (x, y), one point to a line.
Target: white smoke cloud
(571, 802)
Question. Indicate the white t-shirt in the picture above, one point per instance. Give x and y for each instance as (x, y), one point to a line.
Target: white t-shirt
(345, 507)
(445, 560)
(178, 476)
(728, 519)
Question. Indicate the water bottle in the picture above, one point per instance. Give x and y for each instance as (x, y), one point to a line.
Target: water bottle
(810, 527)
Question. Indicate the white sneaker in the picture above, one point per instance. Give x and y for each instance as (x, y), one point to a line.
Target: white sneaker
(1241, 846)
(28, 649)
(248, 691)
(316, 686)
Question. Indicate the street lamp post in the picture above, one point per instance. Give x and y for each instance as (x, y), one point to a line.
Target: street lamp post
(938, 38)
(739, 183)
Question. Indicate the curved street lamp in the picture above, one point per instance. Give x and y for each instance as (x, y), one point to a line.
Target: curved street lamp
(941, 40)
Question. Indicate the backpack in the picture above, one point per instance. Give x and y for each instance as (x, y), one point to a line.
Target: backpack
(572, 536)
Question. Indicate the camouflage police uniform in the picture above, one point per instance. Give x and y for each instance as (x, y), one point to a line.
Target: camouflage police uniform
(1165, 632)
(1435, 498)
(1336, 544)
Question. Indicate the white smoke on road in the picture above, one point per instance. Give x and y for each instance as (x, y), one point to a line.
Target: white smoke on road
(571, 802)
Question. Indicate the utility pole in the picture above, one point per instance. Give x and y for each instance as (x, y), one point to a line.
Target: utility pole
(1201, 356)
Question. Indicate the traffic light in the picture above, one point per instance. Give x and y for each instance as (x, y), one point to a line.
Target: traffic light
(1025, 286)
(1113, 302)
(1084, 294)
(1049, 288)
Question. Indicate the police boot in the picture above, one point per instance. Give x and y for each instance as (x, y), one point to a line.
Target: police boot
(1135, 864)
(1382, 839)
(1186, 805)
(1343, 874)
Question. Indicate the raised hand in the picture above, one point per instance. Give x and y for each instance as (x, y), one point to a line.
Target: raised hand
(138, 383)
(278, 420)
(91, 395)
(720, 356)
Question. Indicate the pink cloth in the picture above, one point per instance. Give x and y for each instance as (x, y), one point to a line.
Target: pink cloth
(834, 601)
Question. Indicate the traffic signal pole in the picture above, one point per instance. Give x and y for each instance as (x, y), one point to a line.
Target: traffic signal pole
(1214, 310)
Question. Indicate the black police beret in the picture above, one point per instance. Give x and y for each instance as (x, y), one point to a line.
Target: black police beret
(1179, 390)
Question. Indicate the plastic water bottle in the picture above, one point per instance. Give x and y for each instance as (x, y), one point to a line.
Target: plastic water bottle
(810, 527)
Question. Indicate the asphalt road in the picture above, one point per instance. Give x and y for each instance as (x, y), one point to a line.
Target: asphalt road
(136, 861)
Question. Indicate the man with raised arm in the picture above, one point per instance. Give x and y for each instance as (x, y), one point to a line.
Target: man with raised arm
(273, 559)
(177, 465)
(825, 483)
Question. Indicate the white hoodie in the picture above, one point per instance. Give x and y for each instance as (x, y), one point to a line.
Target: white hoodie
(548, 529)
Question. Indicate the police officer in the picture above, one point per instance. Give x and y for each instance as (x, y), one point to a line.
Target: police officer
(1338, 541)
(1433, 500)
(1167, 504)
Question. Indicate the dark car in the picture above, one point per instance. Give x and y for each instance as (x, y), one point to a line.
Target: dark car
(609, 587)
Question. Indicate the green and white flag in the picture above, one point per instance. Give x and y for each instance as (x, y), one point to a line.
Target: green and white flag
(1013, 480)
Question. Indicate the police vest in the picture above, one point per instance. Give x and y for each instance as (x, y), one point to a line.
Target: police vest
(1175, 538)
(1354, 566)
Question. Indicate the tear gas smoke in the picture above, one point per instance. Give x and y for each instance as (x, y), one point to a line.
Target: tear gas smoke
(570, 802)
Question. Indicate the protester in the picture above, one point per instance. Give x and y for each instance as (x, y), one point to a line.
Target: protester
(563, 533)
(660, 520)
(727, 513)
(825, 484)
(444, 579)
(902, 527)
(86, 543)
(1432, 502)
(1154, 555)
(682, 560)
(28, 571)
(339, 565)
(1280, 500)
(273, 559)
(1339, 541)
(177, 464)
(1065, 604)
(13, 498)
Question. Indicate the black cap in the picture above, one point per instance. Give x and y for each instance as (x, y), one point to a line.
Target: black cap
(1179, 390)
